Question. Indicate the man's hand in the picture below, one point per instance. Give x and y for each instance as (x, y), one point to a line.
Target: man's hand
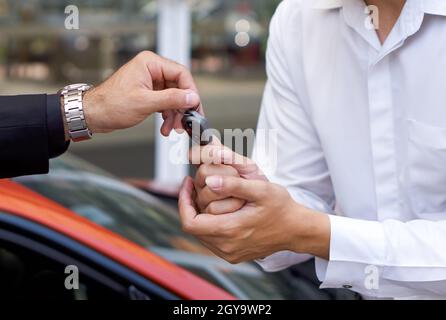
(207, 200)
(269, 222)
(216, 159)
(244, 216)
(145, 85)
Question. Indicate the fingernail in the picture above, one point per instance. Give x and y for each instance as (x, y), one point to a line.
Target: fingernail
(192, 99)
(214, 182)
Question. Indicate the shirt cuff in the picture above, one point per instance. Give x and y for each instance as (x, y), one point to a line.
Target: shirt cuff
(357, 248)
(56, 132)
(357, 240)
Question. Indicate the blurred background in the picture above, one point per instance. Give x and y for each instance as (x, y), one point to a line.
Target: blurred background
(228, 42)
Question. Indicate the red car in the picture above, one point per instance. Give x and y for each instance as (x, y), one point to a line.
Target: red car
(125, 244)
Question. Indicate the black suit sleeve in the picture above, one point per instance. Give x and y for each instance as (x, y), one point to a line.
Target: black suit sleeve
(31, 132)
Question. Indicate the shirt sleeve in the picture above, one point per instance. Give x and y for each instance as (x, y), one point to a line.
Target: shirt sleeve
(287, 147)
(386, 259)
(26, 145)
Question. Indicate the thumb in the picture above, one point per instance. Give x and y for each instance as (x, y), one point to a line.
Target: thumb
(228, 186)
(170, 99)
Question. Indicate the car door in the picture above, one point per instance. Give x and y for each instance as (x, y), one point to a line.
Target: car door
(39, 263)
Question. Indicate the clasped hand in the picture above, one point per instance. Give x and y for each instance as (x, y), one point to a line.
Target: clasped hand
(234, 210)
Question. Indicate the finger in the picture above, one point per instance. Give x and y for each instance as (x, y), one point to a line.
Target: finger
(166, 71)
(217, 153)
(225, 206)
(173, 72)
(186, 204)
(207, 154)
(207, 170)
(158, 83)
(166, 128)
(205, 196)
(177, 122)
(171, 99)
(192, 222)
(198, 108)
(241, 164)
(250, 190)
(220, 154)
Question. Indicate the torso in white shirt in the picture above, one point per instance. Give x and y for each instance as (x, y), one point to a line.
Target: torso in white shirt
(363, 126)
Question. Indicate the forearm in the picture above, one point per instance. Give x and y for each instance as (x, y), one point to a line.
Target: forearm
(309, 232)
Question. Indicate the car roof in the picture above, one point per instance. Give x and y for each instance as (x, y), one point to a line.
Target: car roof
(20, 201)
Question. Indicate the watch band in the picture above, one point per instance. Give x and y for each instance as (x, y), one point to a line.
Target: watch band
(74, 111)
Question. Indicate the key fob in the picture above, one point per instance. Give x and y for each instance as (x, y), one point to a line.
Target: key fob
(197, 127)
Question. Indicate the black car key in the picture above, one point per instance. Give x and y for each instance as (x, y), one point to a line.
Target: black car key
(197, 127)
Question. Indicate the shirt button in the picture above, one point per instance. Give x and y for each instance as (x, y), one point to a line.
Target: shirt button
(347, 286)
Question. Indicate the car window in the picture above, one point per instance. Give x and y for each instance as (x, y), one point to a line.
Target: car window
(146, 221)
(119, 207)
(28, 275)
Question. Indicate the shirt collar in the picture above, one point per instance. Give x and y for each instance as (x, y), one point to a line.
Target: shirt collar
(434, 7)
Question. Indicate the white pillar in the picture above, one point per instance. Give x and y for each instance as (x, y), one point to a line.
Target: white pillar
(174, 42)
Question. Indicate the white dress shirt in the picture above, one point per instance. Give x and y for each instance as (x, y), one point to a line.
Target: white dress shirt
(361, 132)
